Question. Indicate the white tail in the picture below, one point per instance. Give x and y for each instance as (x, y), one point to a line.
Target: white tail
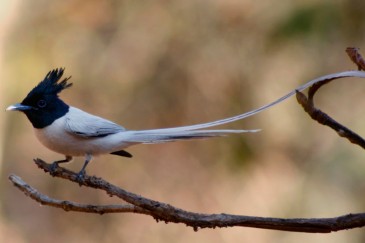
(195, 132)
(345, 74)
(153, 136)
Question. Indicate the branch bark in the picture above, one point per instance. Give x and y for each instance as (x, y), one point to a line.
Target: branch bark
(323, 118)
(170, 214)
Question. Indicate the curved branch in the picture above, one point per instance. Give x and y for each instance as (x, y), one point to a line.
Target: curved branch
(168, 213)
(323, 118)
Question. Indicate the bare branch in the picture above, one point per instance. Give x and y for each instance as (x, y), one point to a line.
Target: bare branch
(323, 118)
(168, 213)
(356, 57)
(72, 206)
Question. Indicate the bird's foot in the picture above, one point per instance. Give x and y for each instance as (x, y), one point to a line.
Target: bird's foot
(53, 168)
(80, 177)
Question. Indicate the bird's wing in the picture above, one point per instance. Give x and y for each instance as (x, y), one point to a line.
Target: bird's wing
(83, 124)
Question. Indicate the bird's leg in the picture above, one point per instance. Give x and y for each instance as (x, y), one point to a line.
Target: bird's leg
(54, 165)
(81, 174)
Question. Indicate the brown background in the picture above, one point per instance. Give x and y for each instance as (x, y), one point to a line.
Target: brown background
(152, 64)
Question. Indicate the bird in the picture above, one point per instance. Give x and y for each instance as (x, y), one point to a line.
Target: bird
(73, 132)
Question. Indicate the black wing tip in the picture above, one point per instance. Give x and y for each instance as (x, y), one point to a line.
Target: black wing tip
(122, 153)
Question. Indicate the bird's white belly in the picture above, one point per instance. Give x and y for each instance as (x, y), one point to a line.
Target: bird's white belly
(56, 138)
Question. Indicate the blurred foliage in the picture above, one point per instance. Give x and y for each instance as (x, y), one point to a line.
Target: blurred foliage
(150, 64)
(318, 20)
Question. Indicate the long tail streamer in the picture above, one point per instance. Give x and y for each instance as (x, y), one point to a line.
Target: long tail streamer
(358, 74)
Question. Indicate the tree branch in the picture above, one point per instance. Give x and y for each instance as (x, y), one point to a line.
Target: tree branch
(72, 206)
(167, 213)
(323, 118)
(356, 57)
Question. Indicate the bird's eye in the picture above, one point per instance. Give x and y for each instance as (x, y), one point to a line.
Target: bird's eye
(41, 103)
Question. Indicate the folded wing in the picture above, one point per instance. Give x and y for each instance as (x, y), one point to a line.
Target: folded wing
(83, 124)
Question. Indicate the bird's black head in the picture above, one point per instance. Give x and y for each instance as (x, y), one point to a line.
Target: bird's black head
(42, 105)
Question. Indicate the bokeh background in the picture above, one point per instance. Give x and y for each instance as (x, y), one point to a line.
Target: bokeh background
(152, 64)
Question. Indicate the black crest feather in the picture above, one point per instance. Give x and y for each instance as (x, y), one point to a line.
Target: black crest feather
(50, 84)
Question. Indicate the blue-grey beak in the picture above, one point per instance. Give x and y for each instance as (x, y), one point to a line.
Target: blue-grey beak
(18, 107)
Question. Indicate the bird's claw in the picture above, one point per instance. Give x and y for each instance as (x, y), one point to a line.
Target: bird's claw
(80, 177)
(53, 168)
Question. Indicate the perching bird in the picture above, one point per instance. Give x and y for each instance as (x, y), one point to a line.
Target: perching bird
(73, 132)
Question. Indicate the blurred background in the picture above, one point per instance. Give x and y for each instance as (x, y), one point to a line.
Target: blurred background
(153, 64)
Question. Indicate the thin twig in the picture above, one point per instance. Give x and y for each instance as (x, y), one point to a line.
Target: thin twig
(356, 57)
(323, 118)
(72, 206)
